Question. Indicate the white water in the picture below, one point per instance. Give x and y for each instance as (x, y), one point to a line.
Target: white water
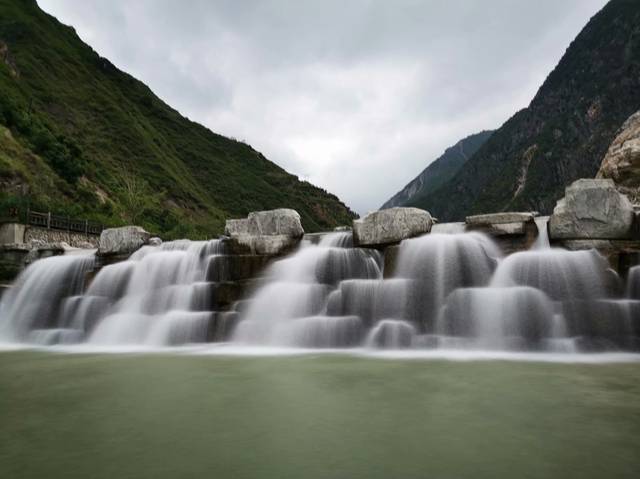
(542, 241)
(34, 302)
(451, 294)
(298, 290)
(155, 295)
(151, 299)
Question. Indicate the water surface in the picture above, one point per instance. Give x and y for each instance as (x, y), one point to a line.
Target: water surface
(314, 416)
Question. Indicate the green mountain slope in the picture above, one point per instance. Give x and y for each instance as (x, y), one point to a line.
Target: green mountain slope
(438, 172)
(107, 148)
(565, 131)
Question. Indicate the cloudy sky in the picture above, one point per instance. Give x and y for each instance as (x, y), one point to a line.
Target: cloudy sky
(356, 96)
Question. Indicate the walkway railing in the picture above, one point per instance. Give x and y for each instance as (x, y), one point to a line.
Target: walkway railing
(65, 223)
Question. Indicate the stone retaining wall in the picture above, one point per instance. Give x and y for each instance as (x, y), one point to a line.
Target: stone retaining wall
(11, 233)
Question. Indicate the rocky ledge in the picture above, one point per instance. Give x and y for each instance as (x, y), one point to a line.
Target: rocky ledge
(622, 160)
(390, 226)
(272, 232)
(122, 241)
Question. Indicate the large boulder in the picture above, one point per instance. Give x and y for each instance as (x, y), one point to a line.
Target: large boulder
(282, 221)
(622, 161)
(122, 241)
(236, 227)
(592, 209)
(391, 226)
(272, 232)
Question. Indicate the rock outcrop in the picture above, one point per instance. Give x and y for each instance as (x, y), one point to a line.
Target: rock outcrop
(514, 231)
(564, 132)
(592, 209)
(498, 224)
(391, 226)
(122, 241)
(272, 232)
(622, 161)
(237, 227)
(282, 221)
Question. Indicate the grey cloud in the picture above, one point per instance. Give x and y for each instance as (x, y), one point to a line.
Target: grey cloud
(356, 96)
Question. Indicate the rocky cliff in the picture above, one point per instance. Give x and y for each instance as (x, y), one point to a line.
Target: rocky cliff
(438, 172)
(566, 130)
(622, 161)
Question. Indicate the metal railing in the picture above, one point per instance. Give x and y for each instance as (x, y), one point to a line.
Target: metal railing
(65, 223)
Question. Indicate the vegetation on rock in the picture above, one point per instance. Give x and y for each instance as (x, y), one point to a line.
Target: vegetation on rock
(439, 172)
(81, 137)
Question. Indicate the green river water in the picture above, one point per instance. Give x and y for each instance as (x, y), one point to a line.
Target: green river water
(314, 416)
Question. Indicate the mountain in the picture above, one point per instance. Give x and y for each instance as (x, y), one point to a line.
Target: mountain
(565, 131)
(80, 137)
(438, 172)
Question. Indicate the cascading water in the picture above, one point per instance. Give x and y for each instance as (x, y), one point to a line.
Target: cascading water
(438, 264)
(452, 291)
(154, 298)
(542, 241)
(291, 309)
(391, 334)
(31, 309)
(155, 295)
(448, 290)
(513, 318)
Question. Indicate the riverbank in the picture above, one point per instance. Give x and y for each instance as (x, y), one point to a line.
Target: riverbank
(314, 416)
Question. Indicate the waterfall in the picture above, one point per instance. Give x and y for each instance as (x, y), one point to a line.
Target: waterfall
(32, 307)
(513, 318)
(542, 241)
(448, 290)
(391, 334)
(563, 275)
(154, 297)
(438, 264)
(633, 282)
(291, 309)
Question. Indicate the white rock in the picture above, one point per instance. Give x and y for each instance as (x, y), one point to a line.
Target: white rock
(391, 226)
(270, 232)
(236, 227)
(282, 221)
(500, 218)
(266, 244)
(121, 241)
(502, 224)
(592, 209)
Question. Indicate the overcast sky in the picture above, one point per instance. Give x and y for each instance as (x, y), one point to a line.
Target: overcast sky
(356, 96)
